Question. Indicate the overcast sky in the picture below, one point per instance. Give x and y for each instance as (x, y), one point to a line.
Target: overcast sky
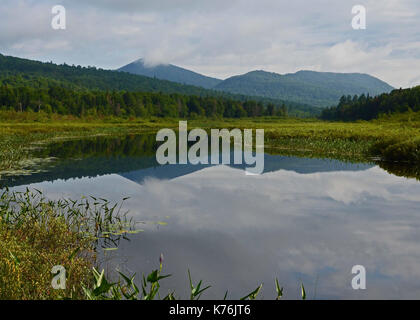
(221, 38)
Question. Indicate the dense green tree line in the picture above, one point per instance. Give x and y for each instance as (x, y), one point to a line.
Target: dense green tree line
(24, 73)
(368, 108)
(129, 104)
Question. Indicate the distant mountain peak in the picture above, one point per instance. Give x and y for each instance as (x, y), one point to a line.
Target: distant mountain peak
(170, 72)
(308, 87)
(150, 64)
(320, 89)
(260, 72)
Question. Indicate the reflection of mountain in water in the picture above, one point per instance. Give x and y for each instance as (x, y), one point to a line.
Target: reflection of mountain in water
(139, 168)
(133, 157)
(271, 163)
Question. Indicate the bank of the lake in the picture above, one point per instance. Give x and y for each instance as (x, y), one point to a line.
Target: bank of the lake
(393, 140)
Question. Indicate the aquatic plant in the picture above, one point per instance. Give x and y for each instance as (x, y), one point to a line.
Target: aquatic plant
(126, 289)
(37, 234)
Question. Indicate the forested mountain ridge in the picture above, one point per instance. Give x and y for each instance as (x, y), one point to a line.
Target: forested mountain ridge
(24, 73)
(367, 108)
(90, 77)
(320, 89)
(171, 73)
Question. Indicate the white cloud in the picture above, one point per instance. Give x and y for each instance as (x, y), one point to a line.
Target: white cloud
(221, 38)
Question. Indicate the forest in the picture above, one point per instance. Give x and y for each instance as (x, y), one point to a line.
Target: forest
(66, 101)
(119, 93)
(365, 107)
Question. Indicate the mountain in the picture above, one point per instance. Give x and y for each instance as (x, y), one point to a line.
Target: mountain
(44, 74)
(19, 72)
(171, 73)
(320, 89)
(301, 92)
(29, 78)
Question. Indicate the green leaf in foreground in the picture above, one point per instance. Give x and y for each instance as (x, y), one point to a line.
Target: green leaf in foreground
(15, 259)
(279, 290)
(110, 249)
(303, 292)
(253, 295)
(196, 291)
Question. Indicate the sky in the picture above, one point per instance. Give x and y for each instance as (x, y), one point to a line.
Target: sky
(221, 38)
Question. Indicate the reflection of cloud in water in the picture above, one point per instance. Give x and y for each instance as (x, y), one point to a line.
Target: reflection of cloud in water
(235, 230)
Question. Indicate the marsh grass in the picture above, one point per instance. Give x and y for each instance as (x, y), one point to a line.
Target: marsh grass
(392, 139)
(37, 234)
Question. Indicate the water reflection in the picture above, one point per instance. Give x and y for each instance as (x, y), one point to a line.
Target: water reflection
(401, 170)
(133, 156)
(102, 155)
(234, 230)
(306, 220)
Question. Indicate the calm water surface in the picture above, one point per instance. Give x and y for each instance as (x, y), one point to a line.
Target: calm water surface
(303, 220)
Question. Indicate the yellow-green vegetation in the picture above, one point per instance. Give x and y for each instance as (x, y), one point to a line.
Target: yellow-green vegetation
(392, 138)
(37, 234)
(29, 251)
(32, 242)
(395, 138)
(19, 135)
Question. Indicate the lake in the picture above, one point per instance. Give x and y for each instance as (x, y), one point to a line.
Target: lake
(303, 220)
